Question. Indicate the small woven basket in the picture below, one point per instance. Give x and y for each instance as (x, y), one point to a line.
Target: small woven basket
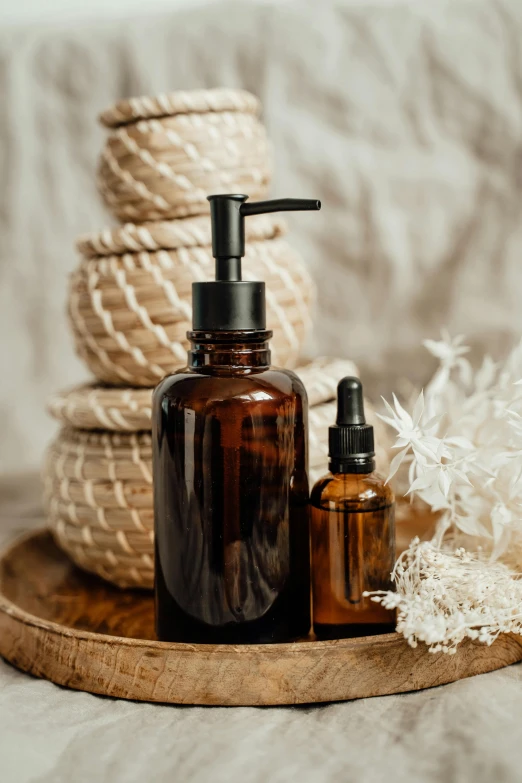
(98, 484)
(165, 154)
(98, 498)
(129, 299)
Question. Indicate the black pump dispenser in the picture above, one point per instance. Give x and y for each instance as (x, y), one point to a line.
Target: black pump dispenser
(350, 439)
(230, 303)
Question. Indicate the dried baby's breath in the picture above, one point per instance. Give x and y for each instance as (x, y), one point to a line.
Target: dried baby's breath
(445, 596)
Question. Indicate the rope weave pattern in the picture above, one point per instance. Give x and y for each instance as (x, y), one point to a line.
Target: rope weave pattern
(159, 168)
(171, 235)
(180, 102)
(98, 495)
(129, 313)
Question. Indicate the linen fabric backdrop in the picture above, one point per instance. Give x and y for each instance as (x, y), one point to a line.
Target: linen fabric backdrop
(404, 118)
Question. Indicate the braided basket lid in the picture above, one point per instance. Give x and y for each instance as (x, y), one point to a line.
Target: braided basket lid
(179, 102)
(170, 235)
(119, 409)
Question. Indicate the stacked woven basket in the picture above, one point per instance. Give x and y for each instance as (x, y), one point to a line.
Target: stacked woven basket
(130, 308)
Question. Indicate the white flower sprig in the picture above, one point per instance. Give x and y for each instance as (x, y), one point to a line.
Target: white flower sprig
(463, 443)
(435, 462)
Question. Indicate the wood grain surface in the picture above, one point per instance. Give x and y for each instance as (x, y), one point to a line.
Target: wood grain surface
(73, 629)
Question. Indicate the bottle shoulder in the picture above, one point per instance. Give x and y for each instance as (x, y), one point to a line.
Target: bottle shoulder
(352, 491)
(297, 385)
(269, 383)
(167, 384)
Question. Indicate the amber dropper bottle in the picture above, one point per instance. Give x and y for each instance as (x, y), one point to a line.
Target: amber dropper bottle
(352, 528)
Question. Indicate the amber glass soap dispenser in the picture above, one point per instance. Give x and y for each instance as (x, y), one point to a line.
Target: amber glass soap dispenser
(232, 535)
(352, 528)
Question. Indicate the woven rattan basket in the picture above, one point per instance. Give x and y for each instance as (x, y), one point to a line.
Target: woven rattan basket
(165, 154)
(98, 484)
(98, 497)
(129, 299)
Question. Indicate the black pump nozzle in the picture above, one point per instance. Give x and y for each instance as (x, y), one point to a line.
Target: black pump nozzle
(227, 213)
(350, 439)
(280, 205)
(230, 303)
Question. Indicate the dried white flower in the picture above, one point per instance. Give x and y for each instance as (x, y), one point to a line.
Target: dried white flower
(463, 443)
(444, 597)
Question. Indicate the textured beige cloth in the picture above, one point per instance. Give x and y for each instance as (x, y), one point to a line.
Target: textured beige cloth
(467, 731)
(403, 116)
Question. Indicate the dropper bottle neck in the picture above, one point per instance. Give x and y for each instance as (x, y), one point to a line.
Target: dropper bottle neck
(350, 439)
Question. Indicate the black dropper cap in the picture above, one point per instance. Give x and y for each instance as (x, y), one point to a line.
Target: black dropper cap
(230, 303)
(350, 439)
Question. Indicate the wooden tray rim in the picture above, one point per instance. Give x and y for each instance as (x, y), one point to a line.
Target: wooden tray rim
(231, 675)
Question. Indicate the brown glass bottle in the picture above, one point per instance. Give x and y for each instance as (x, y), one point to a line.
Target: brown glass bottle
(230, 495)
(352, 515)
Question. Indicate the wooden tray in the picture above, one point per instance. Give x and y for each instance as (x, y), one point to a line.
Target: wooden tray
(73, 629)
